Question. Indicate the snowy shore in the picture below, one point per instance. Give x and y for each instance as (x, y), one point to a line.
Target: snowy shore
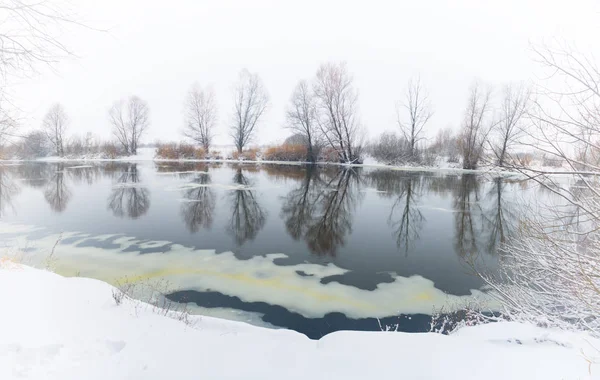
(52, 327)
(148, 155)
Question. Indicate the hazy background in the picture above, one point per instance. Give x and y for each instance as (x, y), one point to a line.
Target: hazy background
(156, 50)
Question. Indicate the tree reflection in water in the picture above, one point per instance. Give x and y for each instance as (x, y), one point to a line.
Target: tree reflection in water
(128, 198)
(56, 192)
(500, 215)
(198, 205)
(8, 189)
(405, 218)
(468, 212)
(247, 215)
(320, 209)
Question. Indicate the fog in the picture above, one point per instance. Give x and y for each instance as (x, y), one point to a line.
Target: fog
(157, 50)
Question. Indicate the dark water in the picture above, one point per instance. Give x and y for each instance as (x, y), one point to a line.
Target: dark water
(365, 228)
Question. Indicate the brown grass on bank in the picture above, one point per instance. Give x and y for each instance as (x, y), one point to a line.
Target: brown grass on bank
(249, 155)
(174, 151)
(286, 152)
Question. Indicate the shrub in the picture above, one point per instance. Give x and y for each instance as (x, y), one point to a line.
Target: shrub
(247, 155)
(34, 145)
(390, 149)
(174, 151)
(111, 150)
(286, 152)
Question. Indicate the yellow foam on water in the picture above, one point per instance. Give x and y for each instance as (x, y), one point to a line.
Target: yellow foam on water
(257, 279)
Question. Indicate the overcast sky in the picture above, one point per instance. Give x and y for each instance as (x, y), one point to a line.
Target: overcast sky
(156, 50)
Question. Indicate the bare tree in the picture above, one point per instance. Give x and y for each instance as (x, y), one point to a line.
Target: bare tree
(54, 125)
(28, 37)
(476, 126)
(251, 101)
(302, 117)
(200, 116)
(509, 129)
(418, 108)
(389, 148)
(337, 103)
(34, 145)
(550, 274)
(8, 121)
(129, 121)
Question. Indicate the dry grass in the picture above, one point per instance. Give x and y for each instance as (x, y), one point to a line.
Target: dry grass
(249, 154)
(286, 152)
(152, 295)
(174, 151)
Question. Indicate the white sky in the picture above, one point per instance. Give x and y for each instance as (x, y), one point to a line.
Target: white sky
(156, 50)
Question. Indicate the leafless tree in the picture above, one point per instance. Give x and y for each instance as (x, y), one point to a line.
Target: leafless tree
(34, 145)
(29, 33)
(418, 109)
(337, 104)
(251, 101)
(509, 129)
(446, 144)
(129, 121)
(8, 120)
(476, 125)
(54, 125)
(200, 116)
(390, 148)
(550, 274)
(302, 117)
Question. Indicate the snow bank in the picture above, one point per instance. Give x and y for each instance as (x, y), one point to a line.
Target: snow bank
(53, 327)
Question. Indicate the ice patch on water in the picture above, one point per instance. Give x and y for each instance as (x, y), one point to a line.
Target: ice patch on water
(437, 209)
(370, 190)
(183, 172)
(257, 279)
(128, 185)
(189, 186)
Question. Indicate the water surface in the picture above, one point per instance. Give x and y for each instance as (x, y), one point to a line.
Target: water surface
(314, 249)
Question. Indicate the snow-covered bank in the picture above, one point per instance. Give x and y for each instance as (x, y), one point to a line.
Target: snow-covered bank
(70, 328)
(149, 155)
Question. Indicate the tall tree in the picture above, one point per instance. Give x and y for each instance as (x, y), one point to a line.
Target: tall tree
(301, 117)
(200, 115)
(129, 121)
(251, 101)
(54, 125)
(417, 108)
(508, 130)
(476, 125)
(337, 103)
(551, 272)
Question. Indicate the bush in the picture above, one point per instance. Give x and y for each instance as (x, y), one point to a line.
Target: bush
(247, 155)
(34, 145)
(286, 152)
(390, 149)
(111, 150)
(174, 151)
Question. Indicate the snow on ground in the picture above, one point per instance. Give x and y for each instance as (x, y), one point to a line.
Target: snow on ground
(53, 327)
